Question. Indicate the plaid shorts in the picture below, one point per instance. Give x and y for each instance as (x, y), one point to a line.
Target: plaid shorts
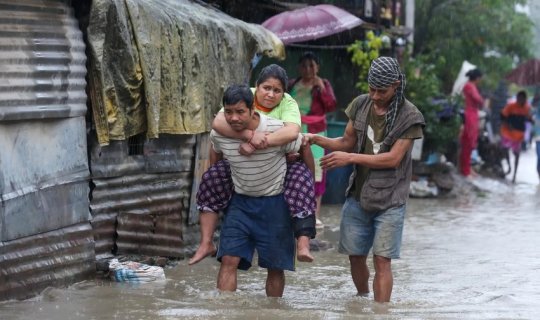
(216, 189)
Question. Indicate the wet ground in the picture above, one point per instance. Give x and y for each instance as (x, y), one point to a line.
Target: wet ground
(473, 257)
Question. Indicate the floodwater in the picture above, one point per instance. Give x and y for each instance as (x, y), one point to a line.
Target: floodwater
(472, 257)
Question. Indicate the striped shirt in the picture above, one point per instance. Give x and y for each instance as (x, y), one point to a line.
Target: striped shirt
(263, 172)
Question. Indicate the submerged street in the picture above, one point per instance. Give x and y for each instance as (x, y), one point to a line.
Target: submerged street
(471, 257)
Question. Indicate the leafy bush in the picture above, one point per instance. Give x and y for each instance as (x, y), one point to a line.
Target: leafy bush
(440, 113)
(363, 52)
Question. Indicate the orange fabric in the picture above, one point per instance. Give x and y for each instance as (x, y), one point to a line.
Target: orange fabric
(260, 107)
(514, 109)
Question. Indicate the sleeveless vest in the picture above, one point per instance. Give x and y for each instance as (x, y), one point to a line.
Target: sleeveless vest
(385, 188)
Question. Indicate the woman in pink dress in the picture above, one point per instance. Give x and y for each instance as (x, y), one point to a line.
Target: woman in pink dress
(469, 135)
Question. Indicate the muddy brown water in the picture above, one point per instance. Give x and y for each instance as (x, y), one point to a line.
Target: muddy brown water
(471, 257)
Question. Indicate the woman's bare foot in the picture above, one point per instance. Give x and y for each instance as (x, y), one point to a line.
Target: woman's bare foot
(202, 252)
(474, 174)
(304, 255)
(302, 250)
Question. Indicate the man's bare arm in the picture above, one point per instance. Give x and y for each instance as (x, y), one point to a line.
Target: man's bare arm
(259, 140)
(345, 143)
(283, 135)
(385, 160)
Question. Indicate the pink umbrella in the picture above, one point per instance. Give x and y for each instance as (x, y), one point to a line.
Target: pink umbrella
(311, 22)
(526, 74)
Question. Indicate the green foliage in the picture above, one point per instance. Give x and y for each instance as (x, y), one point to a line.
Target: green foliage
(487, 33)
(422, 89)
(363, 52)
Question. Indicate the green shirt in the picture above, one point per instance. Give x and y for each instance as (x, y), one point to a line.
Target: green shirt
(286, 111)
(372, 141)
(302, 95)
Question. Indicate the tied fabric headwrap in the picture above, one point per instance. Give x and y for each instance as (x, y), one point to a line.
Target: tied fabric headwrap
(384, 71)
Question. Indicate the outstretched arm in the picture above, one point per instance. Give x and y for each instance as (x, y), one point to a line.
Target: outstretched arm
(345, 143)
(384, 160)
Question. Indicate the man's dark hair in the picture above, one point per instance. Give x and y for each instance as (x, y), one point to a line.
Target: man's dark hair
(236, 93)
(273, 71)
(309, 55)
(522, 94)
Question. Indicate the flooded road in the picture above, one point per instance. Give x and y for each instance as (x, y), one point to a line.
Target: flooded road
(473, 257)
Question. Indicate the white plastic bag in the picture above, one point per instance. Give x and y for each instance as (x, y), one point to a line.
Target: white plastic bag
(130, 271)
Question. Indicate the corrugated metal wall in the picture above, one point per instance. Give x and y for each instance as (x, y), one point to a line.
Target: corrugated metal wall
(54, 258)
(44, 217)
(140, 200)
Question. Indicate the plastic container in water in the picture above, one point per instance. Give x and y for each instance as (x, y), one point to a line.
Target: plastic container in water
(335, 129)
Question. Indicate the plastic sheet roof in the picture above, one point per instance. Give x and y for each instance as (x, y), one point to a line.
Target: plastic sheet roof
(161, 66)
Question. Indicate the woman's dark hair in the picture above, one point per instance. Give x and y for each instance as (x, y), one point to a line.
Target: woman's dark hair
(474, 74)
(236, 93)
(309, 55)
(273, 71)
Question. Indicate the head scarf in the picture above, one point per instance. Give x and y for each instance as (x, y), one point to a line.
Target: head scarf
(384, 71)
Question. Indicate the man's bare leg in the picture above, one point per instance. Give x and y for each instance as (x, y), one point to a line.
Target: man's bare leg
(275, 283)
(227, 276)
(384, 281)
(302, 249)
(516, 162)
(208, 222)
(360, 274)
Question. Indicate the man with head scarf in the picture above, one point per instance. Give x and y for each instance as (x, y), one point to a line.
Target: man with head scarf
(378, 141)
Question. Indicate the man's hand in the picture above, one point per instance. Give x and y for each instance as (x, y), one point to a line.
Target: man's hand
(246, 149)
(259, 140)
(335, 160)
(307, 139)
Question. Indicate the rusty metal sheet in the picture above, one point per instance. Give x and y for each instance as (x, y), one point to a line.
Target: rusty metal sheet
(151, 234)
(141, 180)
(54, 258)
(145, 212)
